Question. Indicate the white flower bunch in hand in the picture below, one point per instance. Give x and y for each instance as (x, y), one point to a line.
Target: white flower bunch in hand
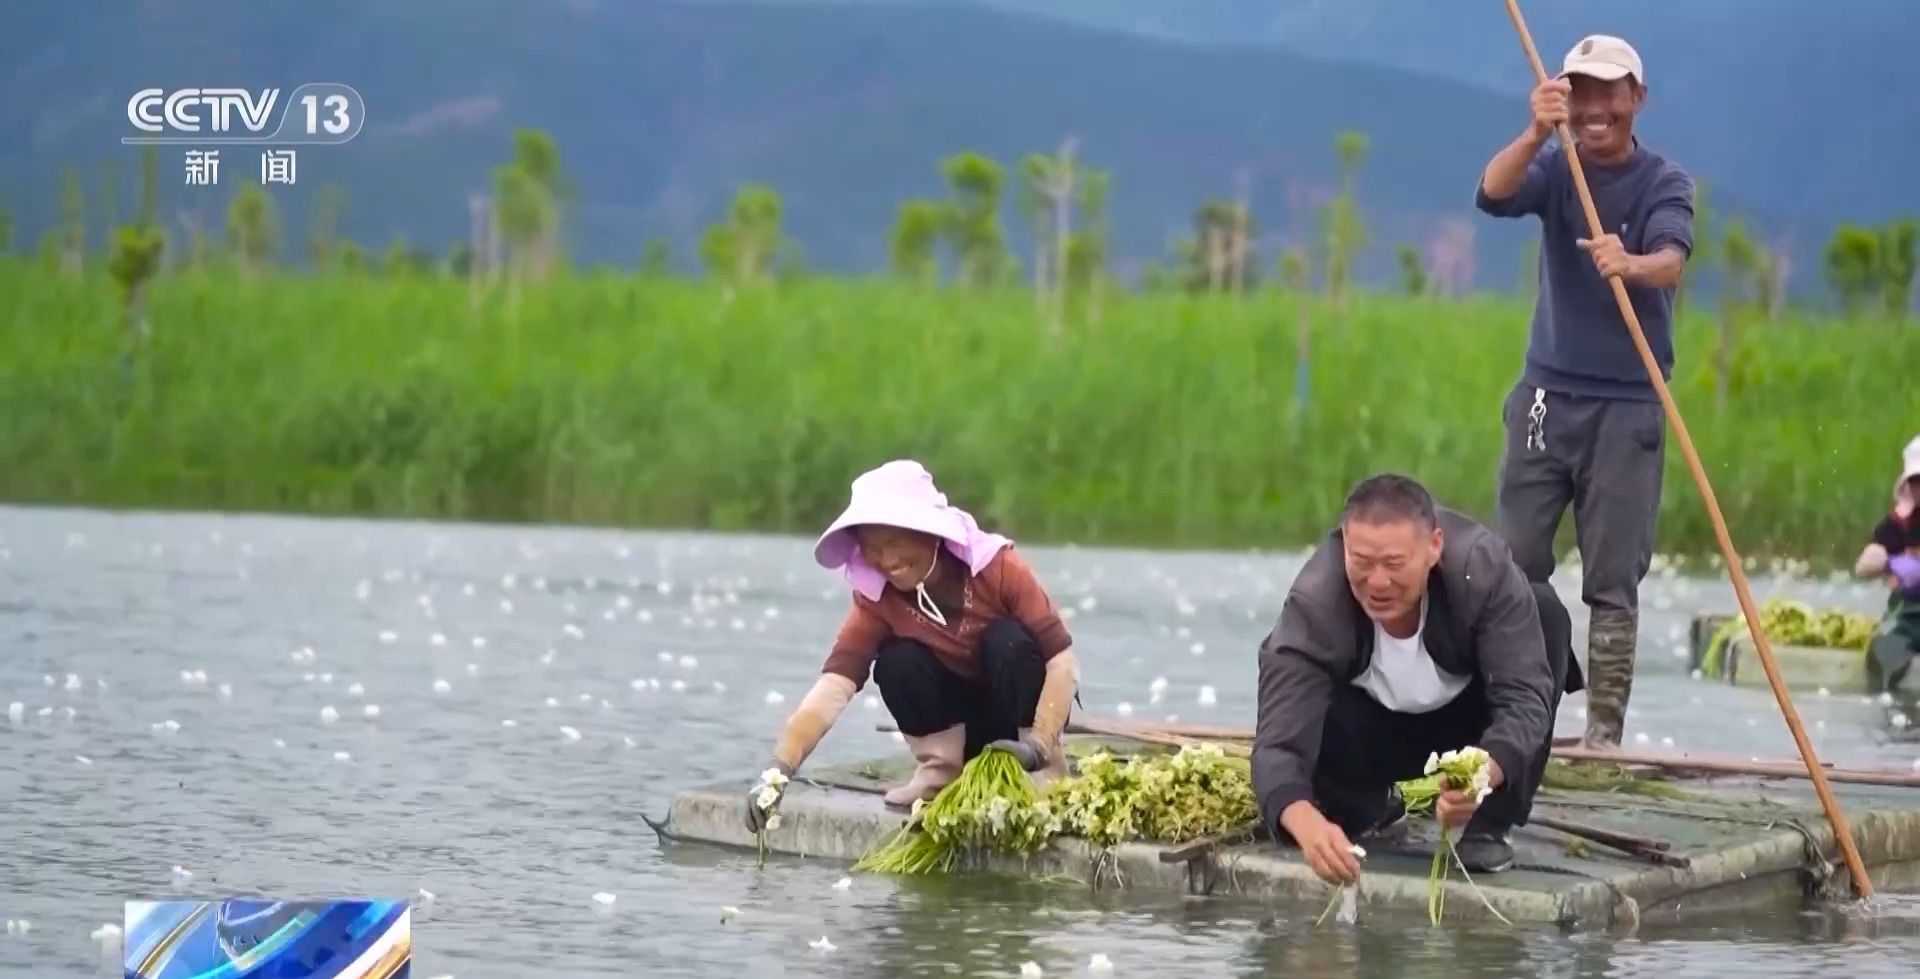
(773, 784)
(1468, 773)
(1468, 770)
(765, 799)
(1347, 896)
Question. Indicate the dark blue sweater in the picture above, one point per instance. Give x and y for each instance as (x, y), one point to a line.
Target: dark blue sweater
(1578, 343)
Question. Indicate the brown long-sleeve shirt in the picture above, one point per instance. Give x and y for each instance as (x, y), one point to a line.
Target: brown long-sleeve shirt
(1005, 588)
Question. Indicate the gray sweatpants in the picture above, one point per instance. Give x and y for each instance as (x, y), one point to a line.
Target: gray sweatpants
(1605, 457)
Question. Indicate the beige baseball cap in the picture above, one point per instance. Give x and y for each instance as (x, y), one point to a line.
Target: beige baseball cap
(1605, 57)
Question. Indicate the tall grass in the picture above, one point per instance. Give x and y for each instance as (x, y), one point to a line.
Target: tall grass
(672, 403)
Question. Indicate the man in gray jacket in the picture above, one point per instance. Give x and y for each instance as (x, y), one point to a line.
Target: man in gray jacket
(1410, 631)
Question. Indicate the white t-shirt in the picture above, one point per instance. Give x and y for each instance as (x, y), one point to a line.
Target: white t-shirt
(1402, 677)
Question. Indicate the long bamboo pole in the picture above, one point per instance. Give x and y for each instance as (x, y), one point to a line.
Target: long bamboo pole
(1861, 885)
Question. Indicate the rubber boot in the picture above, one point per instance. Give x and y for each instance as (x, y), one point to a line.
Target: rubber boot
(939, 755)
(1612, 638)
(1056, 767)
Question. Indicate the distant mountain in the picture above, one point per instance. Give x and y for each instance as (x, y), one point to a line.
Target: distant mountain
(660, 109)
(1799, 110)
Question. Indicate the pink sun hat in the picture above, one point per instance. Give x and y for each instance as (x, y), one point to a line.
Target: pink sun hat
(901, 494)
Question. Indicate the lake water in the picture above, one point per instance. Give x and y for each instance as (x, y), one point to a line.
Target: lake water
(452, 631)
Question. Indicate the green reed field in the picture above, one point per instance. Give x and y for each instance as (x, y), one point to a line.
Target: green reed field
(670, 403)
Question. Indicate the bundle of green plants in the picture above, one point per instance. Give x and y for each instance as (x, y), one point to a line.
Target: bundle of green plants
(1198, 791)
(1794, 623)
(991, 807)
(1465, 770)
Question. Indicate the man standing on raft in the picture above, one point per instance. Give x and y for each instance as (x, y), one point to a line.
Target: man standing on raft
(1410, 631)
(1584, 426)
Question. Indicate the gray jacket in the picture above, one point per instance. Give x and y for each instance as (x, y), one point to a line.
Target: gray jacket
(1482, 621)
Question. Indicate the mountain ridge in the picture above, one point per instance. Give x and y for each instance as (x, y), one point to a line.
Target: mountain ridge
(661, 109)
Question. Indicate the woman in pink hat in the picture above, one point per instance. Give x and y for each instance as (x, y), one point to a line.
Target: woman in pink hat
(951, 624)
(1894, 554)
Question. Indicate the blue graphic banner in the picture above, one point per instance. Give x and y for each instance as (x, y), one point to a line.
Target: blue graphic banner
(250, 937)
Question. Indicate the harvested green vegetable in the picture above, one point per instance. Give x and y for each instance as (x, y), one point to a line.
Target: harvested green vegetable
(991, 807)
(1197, 791)
(912, 851)
(1464, 770)
(1793, 623)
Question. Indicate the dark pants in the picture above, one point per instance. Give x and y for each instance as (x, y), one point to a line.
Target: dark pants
(1365, 748)
(1605, 457)
(925, 696)
(1894, 646)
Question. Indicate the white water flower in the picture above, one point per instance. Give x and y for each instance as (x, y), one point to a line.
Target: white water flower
(1030, 970)
(821, 944)
(843, 883)
(1099, 963)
